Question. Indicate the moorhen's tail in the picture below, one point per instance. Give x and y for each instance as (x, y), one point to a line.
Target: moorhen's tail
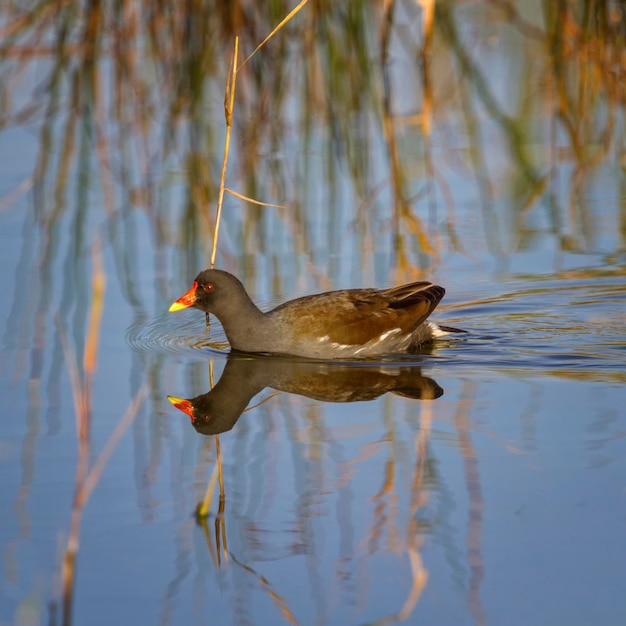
(450, 329)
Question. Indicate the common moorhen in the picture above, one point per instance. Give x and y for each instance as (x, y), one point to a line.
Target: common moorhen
(345, 324)
(218, 410)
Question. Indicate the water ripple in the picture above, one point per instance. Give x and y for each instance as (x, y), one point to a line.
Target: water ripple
(178, 334)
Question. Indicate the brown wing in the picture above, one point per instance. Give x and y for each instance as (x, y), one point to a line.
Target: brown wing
(356, 316)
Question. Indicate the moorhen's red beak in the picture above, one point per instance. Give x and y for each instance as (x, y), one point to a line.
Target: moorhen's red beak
(186, 300)
(181, 404)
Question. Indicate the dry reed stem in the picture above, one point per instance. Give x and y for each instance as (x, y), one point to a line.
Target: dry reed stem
(87, 479)
(220, 521)
(428, 17)
(95, 317)
(420, 578)
(284, 21)
(229, 103)
(280, 602)
(84, 487)
(72, 368)
(98, 467)
(271, 396)
(18, 191)
(419, 498)
(475, 522)
(203, 508)
(414, 535)
(207, 537)
(252, 200)
(218, 450)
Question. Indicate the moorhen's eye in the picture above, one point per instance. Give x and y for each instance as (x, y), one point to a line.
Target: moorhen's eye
(208, 287)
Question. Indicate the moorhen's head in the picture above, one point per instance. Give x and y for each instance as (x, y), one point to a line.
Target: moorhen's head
(213, 291)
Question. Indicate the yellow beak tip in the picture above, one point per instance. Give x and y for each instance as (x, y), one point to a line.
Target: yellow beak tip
(177, 306)
(174, 400)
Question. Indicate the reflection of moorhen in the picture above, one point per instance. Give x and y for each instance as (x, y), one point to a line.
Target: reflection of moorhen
(217, 411)
(335, 324)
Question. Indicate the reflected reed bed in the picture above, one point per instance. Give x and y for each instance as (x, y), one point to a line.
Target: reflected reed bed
(143, 86)
(88, 473)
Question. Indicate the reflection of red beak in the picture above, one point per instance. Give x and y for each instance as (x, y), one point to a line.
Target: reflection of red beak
(186, 300)
(182, 405)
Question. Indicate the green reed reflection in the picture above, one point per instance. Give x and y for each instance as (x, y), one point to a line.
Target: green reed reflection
(142, 86)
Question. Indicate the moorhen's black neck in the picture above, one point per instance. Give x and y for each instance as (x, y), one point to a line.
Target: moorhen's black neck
(244, 323)
(218, 410)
